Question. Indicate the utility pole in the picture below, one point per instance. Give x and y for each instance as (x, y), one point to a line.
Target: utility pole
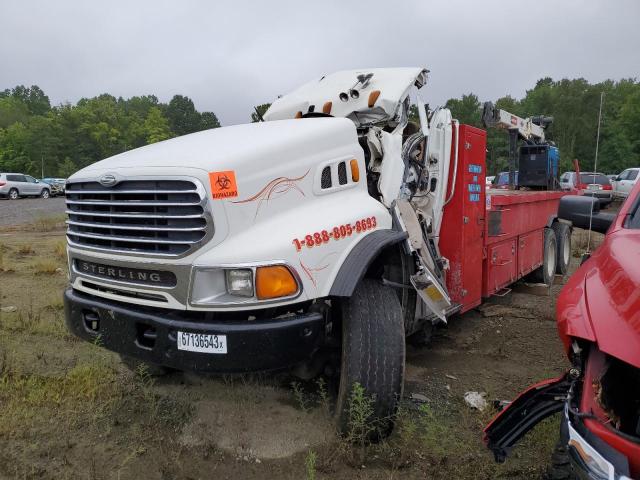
(42, 165)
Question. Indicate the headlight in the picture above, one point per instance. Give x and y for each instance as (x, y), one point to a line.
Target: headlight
(240, 282)
(243, 285)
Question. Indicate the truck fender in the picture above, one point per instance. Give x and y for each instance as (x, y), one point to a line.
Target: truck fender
(360, 258)
(552, 220)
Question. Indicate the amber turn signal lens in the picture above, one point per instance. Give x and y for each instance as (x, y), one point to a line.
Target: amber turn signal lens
(373, 98)
(275, 281)
(355, 170)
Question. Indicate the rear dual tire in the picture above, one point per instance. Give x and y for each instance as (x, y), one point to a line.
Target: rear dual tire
(546, 273)
(562, 232)
(373, 356)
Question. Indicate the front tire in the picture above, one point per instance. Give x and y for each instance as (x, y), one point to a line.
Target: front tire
(13, 194)
(373, 355)
(45, 193)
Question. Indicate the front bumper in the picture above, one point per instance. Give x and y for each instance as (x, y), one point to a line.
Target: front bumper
(150, 334)
(590, 457)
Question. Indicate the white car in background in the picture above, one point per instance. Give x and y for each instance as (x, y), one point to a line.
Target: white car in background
(489, 180)
(625, 182)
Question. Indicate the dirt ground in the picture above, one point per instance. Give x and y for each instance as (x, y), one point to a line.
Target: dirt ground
(69, 409)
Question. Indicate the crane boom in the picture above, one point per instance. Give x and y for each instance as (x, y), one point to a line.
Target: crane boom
(531, 128)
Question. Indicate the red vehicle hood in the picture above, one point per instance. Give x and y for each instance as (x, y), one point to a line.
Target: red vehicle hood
(601, 301)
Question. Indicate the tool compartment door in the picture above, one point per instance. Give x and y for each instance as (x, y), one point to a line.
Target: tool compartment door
(501, 266)
(530, 247)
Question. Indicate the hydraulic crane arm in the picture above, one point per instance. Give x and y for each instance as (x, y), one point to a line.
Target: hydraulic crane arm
(531, 129)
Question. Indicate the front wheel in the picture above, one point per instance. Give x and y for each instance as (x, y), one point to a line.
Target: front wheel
(373, 357)
(45, 193)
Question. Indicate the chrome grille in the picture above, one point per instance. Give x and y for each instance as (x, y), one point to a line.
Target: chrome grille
(150, 217)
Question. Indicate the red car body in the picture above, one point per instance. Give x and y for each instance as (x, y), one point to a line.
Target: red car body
(598, 316)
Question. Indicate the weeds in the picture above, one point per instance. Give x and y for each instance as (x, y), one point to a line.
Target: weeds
(300, 396)
(310, 465)
(45, 267)
(48, 224)
(25, 249)
(60, 250)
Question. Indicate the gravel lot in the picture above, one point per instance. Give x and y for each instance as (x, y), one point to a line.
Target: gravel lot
(27, 210)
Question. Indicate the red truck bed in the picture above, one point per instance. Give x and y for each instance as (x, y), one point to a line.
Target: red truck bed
(491, 237)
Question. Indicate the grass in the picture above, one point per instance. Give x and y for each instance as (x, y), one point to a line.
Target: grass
(60, 250)
(47, 224)
(310, 465)
(46, 267)
(25, 249)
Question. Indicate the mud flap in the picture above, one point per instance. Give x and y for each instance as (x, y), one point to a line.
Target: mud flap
(530, 407)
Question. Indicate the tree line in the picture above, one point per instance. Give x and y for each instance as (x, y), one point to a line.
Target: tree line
(574, 106)
(68, 137)
(36, 138)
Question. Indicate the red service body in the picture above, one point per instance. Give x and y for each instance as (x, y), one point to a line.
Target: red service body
(495, 235)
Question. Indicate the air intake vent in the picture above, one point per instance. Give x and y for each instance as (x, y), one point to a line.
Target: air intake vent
(342, 173)
(325, 181)
(152, 217)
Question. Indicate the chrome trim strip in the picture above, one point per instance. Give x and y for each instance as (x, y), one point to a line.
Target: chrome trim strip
(126, 215)
(136, 227)
(131, 239)
(135, 203)
(130, 192)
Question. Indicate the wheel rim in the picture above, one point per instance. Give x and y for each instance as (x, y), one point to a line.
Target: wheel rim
(13, 194)
(45, 194)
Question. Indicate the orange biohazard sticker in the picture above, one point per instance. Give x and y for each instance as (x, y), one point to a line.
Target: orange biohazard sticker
(223, 184)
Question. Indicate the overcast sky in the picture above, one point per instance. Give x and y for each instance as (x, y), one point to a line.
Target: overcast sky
(230, 55)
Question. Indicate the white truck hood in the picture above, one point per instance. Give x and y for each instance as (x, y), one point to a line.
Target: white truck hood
(255, 146)
(392, 83)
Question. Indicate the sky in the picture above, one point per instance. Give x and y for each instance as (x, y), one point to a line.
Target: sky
(231, 55)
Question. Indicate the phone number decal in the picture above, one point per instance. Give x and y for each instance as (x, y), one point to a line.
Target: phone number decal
(335, 233)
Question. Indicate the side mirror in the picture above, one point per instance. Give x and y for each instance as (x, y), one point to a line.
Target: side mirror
(584, 212)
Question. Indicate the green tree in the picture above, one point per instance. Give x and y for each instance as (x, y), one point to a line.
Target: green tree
(156, 126)
(182, 115)
(262, 109)
(466, 110)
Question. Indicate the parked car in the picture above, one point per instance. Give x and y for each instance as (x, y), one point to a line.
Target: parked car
(16, 185)
(592, 184)
(612, 177)
(598, 315)
(57, 185)
(489, 180)
(625, 182)
(501, 180)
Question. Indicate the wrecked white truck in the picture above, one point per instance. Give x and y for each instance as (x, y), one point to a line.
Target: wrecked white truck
(309, 241)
